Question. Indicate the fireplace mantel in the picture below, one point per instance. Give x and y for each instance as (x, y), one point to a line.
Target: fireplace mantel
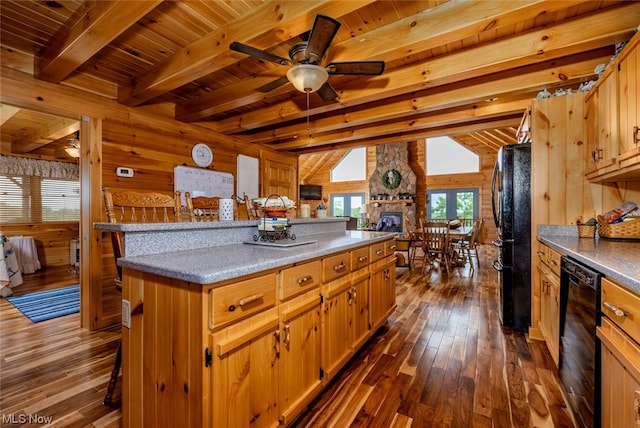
(405, 202)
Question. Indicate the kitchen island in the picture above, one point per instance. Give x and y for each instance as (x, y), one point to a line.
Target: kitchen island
(238, 335)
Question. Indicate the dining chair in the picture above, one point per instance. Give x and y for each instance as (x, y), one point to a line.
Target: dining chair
(468, 246)
(436, 244)
(134, 207)
(252, 210)
(203, 208)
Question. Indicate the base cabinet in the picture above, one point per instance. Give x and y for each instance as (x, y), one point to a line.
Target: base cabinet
(620, 371)
(548, 269)
(251, 352)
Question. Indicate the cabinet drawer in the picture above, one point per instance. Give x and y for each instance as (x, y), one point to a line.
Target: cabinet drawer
(553, 260)
(390, 247)
(336, 266)
(360, 258)
(241, 299)
(298, 279)
(377, 251)
(622, 307)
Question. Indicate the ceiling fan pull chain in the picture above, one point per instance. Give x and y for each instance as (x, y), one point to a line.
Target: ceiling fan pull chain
(307, 110)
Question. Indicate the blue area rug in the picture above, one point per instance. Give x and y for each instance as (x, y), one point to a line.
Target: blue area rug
(49, 304)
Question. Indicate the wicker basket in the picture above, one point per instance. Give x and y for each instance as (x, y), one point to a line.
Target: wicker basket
(586, 231)
(275, 211)
(623, 230)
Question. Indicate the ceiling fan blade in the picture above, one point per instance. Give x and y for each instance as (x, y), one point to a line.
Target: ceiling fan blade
(273, 85)
(327, 92)
(370, 68)
(258, 53)
(322, 33)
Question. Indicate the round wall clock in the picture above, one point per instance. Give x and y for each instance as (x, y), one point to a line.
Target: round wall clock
(391, 179)
(202, 155)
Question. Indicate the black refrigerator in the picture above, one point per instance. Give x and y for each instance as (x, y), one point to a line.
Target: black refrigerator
(511, 204)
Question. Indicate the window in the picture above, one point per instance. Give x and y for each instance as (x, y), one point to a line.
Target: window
(446, 204)
(446, 156)
(352, 167)
(347, 204)
(32, 199)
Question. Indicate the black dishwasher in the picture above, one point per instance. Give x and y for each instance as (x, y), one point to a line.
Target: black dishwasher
(579, 350)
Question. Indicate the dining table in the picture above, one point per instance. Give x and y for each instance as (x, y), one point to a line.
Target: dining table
(26, 253)
(455, 235)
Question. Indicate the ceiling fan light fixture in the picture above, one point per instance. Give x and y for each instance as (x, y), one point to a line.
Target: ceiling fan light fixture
(307, 77)
(73, 152)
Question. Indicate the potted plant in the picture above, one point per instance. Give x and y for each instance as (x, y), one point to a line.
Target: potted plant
(321, 209)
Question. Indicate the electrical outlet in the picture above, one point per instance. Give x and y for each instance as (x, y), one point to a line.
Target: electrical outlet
(126, 313)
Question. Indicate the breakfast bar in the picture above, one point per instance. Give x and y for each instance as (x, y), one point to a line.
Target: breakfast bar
(219, 331)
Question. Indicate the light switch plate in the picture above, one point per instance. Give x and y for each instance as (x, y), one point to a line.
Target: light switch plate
(126, 313)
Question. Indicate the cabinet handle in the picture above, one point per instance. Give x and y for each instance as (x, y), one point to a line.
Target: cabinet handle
(392, 247)
(615, 309)
(540, 253)
(387, 275)
(363, 258)
(276, 343)
(339, 267)
(636, 134)
(354, 294)
(350, 296)
(379, 252)
(246, 301)
(307, 278)
(597, 155)
(552, 262)
(287, 336)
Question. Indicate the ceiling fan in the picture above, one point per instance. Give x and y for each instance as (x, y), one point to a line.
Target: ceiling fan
(307, 75)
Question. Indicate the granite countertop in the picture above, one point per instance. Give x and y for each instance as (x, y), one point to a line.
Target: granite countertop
(616, 259)
(219, 263)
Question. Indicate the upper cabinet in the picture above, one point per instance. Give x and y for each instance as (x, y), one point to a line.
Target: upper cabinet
(613, 118)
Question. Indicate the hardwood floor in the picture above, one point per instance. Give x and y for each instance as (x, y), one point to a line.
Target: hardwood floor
(442, 359)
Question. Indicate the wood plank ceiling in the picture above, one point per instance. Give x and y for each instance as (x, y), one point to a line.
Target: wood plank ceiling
(461, 68)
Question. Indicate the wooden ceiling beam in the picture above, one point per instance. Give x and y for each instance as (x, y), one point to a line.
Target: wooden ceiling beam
(411, 124)
(533, 47)
(412, 136)
(95, 25)
(420, 32)
(268, 25)
(437, 100)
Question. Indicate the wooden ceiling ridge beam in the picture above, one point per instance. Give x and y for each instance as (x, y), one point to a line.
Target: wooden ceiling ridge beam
(279, 20)
(411, 136)
(422, 31)
(412, 123)
(461, 95)
(95, 25)
(568, 38)
(476, 136)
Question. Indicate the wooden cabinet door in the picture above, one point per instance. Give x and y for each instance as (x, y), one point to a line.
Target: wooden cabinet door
(629, 75)
(382, 294)
(300, 359)
(607, 105)
(620, 378)
(244, 387)
(550, 311)
(360, 296)
(337, 325)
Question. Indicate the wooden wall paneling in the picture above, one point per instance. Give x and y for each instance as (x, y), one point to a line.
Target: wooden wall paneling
(52, 240)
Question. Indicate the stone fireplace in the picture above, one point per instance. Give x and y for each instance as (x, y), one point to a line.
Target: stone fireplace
(392, 157)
